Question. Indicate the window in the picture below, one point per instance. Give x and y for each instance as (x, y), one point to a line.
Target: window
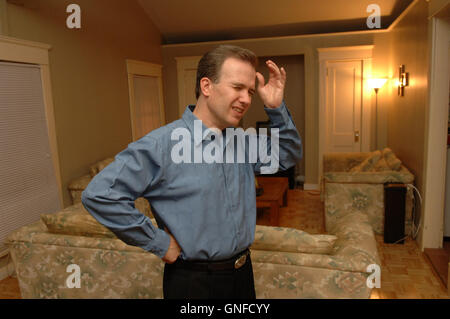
(28, 184)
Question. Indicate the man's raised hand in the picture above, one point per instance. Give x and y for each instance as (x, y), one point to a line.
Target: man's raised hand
(272, 92)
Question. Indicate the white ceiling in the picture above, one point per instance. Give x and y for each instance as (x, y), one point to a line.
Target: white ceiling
(182, 21)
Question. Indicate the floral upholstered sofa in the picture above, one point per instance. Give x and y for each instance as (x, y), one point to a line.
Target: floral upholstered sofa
(354, 182)
(287, 262)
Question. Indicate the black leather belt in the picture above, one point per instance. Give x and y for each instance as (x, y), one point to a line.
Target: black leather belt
(235, 262)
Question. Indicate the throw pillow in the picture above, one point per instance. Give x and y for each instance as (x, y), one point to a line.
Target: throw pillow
(292, 240)
(75, 220)
(381, 165)
(393, 162)
(368, 163)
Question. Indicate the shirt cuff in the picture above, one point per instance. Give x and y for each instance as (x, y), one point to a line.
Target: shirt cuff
(160, 244)
(279, 116)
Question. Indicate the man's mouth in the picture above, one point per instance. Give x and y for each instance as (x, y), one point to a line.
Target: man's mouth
(238, 110)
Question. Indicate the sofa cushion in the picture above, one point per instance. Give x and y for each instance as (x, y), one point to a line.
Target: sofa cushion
(368, 163)
(97, 167)
(381, 165)
(75, 220)
(292, 240)
(80, 183)
(392, 160)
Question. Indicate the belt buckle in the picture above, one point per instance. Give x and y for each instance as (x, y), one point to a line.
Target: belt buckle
(240, 261)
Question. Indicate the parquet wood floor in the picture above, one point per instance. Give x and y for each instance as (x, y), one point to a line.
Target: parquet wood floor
(9, 288)
(405, 271)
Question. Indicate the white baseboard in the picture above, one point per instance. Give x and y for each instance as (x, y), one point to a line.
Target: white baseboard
(311, 187)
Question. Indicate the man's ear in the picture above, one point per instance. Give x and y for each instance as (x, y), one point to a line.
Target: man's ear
(205, 86)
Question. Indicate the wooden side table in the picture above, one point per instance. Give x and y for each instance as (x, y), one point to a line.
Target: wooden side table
(274, 196)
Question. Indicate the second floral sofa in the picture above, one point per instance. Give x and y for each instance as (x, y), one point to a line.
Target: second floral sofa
(354, 182)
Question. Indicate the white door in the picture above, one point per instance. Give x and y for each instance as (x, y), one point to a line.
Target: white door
(147, 114)
(146, 97)
(343, 106)
(187, 78)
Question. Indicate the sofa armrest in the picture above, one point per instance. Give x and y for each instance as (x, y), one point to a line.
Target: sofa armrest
(356, 240)
(354, 250)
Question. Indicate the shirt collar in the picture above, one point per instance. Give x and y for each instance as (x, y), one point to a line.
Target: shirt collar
(189, 118)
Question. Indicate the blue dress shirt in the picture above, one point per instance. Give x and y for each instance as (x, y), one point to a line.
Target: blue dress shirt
(210, 208)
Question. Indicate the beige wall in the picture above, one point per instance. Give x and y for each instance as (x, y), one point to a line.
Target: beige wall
(294, 95)
(293, 46)
(88, 72)
(402, 119)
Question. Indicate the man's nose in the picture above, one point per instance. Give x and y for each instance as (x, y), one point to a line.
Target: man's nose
(245, 98)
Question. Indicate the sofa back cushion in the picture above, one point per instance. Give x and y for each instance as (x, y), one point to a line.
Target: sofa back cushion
(292, 240)
(75, 220)
(369, 163)
(342, 162)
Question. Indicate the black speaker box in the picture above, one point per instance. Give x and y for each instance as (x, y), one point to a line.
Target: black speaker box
(394, 213)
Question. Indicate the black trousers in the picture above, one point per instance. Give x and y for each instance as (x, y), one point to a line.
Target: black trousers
(181, 283)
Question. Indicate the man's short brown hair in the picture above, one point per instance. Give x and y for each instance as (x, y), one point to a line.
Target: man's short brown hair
(211, 63)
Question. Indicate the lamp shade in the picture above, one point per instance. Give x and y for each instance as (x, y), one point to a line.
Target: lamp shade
(376, 83)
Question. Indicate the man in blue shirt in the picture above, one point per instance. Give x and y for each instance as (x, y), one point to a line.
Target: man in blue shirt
(205, 210)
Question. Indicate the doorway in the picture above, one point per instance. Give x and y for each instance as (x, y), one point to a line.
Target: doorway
(344, 100)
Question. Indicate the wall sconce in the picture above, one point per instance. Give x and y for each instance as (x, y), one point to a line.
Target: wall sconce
(376, 84)
(403, 80)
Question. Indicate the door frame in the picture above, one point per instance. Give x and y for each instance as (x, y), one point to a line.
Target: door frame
(434, 171)
(363, 53)
(146, 69)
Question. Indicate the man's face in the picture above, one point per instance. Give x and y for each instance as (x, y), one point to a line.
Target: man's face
(231, 96)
